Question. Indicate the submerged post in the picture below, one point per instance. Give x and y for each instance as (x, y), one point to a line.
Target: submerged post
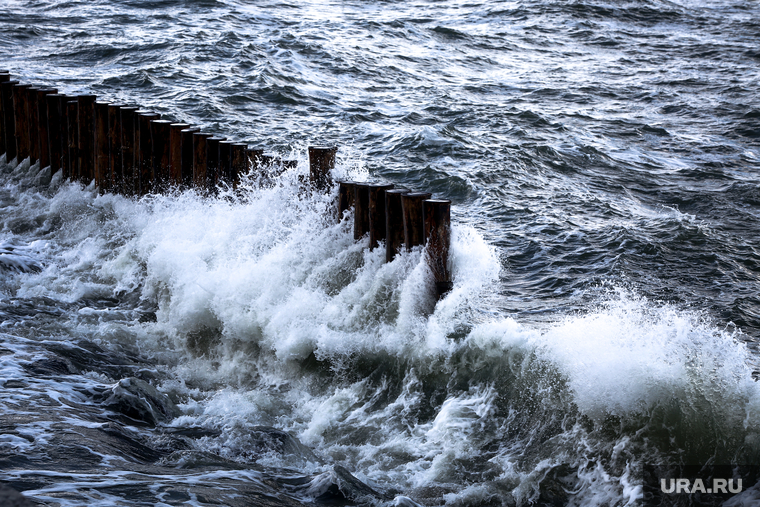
(187, 155)
(145, 151)
(72, 117)
(160, 130)
(114, 145)
(346, 191)
(33, 105)
(6, 89)
(21, 114)
(86, 138)
(199, 159)
(102, 173)
(128, 142)
(238, 162)
(212, 161)
(54, 130)
(175, 152)
(437, 217)
(361, 210)
(411, 204)
(4, 78)
(321, 162)
(377, 213)
(42, 106)
(394, 223)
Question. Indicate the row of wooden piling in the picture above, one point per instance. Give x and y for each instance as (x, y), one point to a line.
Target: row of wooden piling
(132, 151)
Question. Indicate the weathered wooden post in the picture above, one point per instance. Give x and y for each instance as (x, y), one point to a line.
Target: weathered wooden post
(239, 162)
(225, 161)
(63, 101)
(145, 151)
(114, 146)
(411, 204)
(33, 105)
(54, 130)
(436, 215)
(128, 142)
(175, 153)
(377, 213)
(199, 159)
(21, 113)
(86, 138)
(346, 193)
(72, 117)
(361, 210)
(188, 151)
(102, 156)
(160, 131)
(321, 162)
(4, 78)
(394, 223)
(212, 161)
(6, 88)
(44, 136)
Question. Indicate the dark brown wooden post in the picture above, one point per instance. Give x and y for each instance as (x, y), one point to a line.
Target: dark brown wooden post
(345, 197)
(239, 163)
(114, 146)
(44, 136)
(175, 153)
(144, 141)
(72, 117)
(361, 210)
(6, 88)
(160, 130)
(212, 161)
(377, 213)
(86, 138)
(102, 156)
(225, 162)
(188, 153)
(394, 223)
(199, 159)
(411, 204)
(436, 215)
(255, 157)
(4, 78)
(54, 130)
(321, 162)
(34, 123)
(21, 113)
(128, 143)
(65, 159)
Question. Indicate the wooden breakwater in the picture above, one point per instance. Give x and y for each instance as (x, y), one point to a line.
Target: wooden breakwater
(131, 151)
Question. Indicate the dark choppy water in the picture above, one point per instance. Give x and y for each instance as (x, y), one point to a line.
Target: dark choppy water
(603, 159)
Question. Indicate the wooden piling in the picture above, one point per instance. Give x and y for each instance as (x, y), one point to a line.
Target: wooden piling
(64, 112)
(345, 197)
(411, 205)
(34, 123)
(437, 231)
(199, 159)
(114, 146)
(394, 223)
(160, 132)
(175, 152)
(128, 143)
(72, 118)
(321, 162)
(44, 136)
(4, 78)
(212, 161)
(102, 172)
(86, 137)
(239, 163)
(6, 90)
(377, 213)
(21, 114)
(225, 162)
(53, 101)
(144, 139)
(361, 210)
(188, 151)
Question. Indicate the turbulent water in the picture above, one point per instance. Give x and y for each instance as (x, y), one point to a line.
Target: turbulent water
(603, 161)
